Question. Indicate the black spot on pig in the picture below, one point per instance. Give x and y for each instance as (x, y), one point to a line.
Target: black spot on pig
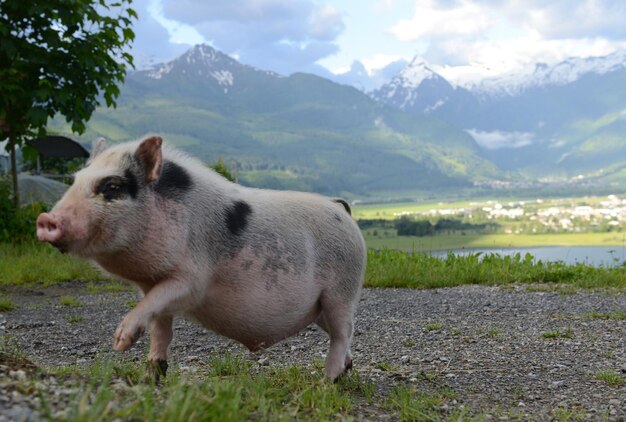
(174, 181)
(237, 217)
(131, 182)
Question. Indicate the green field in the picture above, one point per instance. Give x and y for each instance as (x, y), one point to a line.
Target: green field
(484, 241)
(389, 211)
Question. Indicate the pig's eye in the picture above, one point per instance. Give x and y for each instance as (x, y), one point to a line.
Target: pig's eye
(111, 189)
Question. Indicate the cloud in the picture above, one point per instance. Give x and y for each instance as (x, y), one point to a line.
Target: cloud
(472, 39)
(153, 42)
(433, 20)
(281, 35)
(572, 19)
(500, 139)
(549, 19)
(379, 61)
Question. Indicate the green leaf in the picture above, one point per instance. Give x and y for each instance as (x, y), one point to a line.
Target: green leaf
(78, 48)
(29, 153)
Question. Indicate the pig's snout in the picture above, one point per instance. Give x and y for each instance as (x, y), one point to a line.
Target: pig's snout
(49, 228)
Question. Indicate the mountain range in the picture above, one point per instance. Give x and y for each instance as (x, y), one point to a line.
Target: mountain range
(417, 132)
(548, 121)
(299, 132)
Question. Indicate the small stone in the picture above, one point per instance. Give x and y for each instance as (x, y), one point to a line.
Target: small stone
(405, 359)
(264, 361)
(556, 384)
(614, 402)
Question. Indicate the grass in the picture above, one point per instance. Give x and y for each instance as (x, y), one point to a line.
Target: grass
(32, 263)
(389, 211)
(612, 378)
(73, 319)
(390, 268)
(446, 242)
(107, 287)
(232, 390)
(70, 301)
(433, 326)
(6, 304)
(494, 332)
(568, 333)
(412, 405)
(616, 315)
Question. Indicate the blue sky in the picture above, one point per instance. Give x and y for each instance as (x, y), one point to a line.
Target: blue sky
(460, 37)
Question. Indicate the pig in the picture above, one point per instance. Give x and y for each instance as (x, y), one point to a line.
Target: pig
(253, 265)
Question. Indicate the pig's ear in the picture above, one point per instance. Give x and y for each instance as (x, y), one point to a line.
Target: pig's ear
(149, 155)
(98, 146)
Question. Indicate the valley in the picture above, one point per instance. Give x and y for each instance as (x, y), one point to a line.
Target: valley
(512, 223)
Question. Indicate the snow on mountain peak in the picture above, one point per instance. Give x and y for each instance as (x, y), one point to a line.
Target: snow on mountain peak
(201, 60)
(202, 54)
(415, 73)
(417, 85)
(542, 74)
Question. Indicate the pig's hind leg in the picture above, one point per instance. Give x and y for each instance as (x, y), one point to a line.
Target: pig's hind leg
(161, 334)
(336, 320)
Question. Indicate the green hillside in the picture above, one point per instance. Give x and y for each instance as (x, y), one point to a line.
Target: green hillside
(298, 132)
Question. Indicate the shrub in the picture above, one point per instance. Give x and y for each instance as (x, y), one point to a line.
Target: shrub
(16, 225)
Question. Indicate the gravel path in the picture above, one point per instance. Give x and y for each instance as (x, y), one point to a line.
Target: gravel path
(488, 344)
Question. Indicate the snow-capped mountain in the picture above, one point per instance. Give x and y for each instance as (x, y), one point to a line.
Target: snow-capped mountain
(416, 88)
(543, 75)
(566, 117)
(205, 62)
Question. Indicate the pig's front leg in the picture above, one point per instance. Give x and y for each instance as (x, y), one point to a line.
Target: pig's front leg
(165, 299)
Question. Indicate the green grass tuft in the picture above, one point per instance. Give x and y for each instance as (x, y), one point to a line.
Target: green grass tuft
(412, 405)
(433, 326)
(6, 304)
(612, 378)
(73, 319)
(70, 301)
(568, 333)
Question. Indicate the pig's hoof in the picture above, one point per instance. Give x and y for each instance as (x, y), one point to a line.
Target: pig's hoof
(124, 338)
(159, 370)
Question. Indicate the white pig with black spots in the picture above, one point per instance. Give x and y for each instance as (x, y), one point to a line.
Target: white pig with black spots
(254, 265)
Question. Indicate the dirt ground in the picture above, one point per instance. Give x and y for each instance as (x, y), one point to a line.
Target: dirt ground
(516, 351)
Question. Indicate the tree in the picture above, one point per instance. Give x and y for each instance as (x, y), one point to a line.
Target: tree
(59, 57)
